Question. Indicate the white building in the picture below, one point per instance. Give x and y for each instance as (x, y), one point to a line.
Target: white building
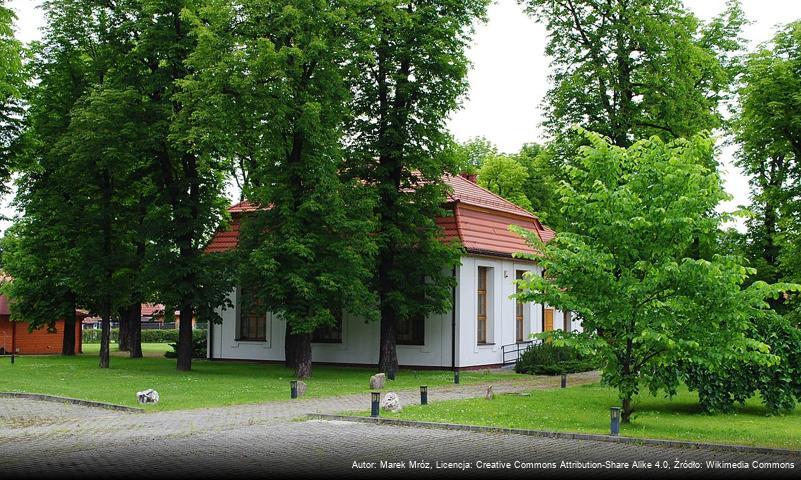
(485, 328)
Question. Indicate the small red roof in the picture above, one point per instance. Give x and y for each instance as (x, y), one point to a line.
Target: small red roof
(480, 220)
(470, 193)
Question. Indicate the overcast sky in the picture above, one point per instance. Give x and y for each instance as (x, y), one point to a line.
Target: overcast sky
(510, 69)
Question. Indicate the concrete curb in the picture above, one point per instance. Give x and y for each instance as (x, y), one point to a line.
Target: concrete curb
(72, 401)
(561, 435)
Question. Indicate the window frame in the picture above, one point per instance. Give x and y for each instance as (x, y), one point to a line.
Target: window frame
(482, 303)
(242, 316)
(520, 315)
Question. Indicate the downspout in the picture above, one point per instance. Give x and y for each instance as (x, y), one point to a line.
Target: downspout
(453, 309)
(542, 310)
(453, 326)
(210, 340)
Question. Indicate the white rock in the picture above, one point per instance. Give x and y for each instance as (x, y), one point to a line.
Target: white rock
(148, 396)
(391, 402)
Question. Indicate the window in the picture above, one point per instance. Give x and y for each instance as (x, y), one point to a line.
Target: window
(252, 324)
(481, 313)
(330, 333)
(519, 310)
(411, 331)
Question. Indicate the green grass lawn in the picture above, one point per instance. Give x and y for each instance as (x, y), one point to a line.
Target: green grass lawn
(209, 383)
(586, 409)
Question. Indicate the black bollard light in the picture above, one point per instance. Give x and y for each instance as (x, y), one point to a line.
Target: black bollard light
(456, 376)
(614, 425)
(564, 380)
(293, 389)
(423, 394)
(376, 399)
(12, 358)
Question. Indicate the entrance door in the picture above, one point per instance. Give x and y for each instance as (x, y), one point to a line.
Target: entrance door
(548, 324)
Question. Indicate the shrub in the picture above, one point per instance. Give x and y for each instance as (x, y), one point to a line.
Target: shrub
(148, 336)
(546, 359)
(198, 345)
(779, 384)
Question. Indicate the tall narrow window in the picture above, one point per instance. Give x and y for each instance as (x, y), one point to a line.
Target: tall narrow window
(330, 333)
(411, 331)
(548, 323)
(252, 324)
(481, 314)
(519, 310)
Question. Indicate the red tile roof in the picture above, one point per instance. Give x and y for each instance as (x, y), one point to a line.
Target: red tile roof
(470, 193)
(480, 221)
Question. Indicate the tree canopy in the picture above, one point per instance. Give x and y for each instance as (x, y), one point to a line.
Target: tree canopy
(620, 262)
(630, 69)
(283, 61)
(12, 85)
(767, 128)
(410, 74)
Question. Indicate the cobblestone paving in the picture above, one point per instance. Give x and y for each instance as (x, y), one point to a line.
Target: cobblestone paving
(263, 440)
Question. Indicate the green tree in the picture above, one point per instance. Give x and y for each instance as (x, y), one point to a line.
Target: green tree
(40, 288)
(470, 155)
(39, 249)
(306, 255)
(102, 159)
(629, 69)
(411, 73)
(504, 175)
(767, 127)
(188, 202)
(12, 85)
(543, 175)
(619, 261)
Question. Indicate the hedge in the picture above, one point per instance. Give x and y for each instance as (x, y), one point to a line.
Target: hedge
(148, 336)
(545, 359)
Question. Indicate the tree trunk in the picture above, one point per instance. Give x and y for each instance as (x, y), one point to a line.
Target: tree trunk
(68, 340)
(184, 349)
(122, 340)
(628, 408)
(388, 352)
(299, 353)
(134, 320)
(290, 347)
(105, 337)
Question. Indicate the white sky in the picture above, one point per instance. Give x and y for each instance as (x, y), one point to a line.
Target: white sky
(510, 69)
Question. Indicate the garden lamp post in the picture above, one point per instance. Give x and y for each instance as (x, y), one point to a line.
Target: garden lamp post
(293, 389)
(423, 394)
(375, 400)
(614, 425)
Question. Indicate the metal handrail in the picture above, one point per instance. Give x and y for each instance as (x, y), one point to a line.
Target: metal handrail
(516, 349)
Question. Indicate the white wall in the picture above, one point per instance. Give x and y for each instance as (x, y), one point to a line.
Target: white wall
(360, 338)
(359, 342)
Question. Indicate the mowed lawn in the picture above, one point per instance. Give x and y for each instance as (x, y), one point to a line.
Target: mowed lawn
(585, 409)
(209, 383)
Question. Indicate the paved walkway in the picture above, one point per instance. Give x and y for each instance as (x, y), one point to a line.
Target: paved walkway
(41, 439)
